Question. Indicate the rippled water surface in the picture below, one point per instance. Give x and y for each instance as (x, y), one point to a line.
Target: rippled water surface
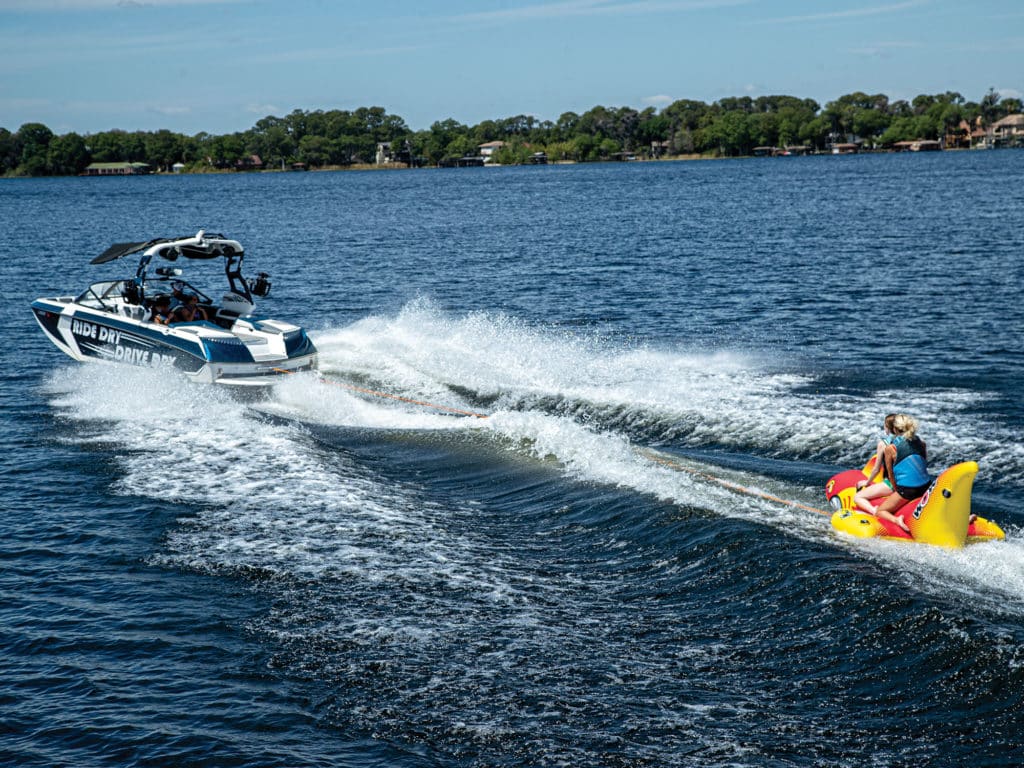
(322, 577)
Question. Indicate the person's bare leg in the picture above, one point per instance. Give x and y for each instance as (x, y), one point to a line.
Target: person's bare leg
(886, 508)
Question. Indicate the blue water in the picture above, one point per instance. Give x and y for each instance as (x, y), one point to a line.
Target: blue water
(324, 578)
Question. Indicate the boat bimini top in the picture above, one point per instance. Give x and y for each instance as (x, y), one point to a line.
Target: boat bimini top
(199, 246)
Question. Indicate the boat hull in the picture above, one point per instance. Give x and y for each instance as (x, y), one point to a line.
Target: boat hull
(253, 352)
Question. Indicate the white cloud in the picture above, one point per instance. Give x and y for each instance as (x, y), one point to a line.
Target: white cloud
(595, 8)
(882, 50)
(329, 54)
(262, 109)
(172, 111)
(849, 13)
(657, 101)
(45, 6)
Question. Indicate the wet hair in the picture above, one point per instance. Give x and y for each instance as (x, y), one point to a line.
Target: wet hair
(904, 425)
(889, 419)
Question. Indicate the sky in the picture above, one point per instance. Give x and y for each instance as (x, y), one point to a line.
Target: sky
(220, 65)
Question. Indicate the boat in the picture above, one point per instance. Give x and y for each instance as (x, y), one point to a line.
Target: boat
(112, 320)
(941, 517)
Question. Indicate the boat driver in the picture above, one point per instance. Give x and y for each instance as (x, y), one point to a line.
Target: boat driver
(161, 311)
(178, 295)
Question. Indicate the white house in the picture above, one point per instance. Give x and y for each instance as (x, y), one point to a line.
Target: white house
(487, 150)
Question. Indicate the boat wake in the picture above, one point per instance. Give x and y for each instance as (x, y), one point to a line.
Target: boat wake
(587, 405)
(724, 400)
(433, 569)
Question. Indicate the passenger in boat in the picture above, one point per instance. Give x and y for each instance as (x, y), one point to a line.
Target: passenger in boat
(160, 312)
(188, 311)
(868, 489)
(178, 295)
(906, 464)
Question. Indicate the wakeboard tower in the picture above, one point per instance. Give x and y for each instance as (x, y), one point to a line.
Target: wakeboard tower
(113, 321)
(941, 517)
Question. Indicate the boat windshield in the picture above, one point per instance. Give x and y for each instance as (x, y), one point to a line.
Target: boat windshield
(101, 295)
(160, 285)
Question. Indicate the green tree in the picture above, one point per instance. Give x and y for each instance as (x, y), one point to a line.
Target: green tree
(163, 148)
(653, 128)
(31, 143)
(869, 123)
(486, 131)
(350, 148)
(990, 107)
(561, 151)
(585, 147)
(686, 114)
(461, 146)
(788, 132)
(117, 147)
(514, 152)
(763, 128)
(567, 124)
(442, 133)
(729, 134)
(815, 132)
(220, 151)
(607, 148)
(314, 150)
(1011, 106)
(67, 155)
(274, 145)
(8, 159)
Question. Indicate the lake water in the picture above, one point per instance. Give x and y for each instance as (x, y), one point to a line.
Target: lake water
(325, 578)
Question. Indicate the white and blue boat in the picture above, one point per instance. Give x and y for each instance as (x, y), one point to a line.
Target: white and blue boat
(113, 320)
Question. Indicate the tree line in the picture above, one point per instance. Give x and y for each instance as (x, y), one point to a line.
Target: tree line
(729, 127)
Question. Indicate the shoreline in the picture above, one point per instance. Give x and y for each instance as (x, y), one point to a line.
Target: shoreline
(391, 167)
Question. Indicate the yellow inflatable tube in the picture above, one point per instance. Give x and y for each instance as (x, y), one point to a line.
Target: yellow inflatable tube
(941, 517)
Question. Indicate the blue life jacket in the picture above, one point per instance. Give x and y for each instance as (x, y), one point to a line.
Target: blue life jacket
(910, 467)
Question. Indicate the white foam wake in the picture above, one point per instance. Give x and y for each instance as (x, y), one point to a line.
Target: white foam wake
(722, 399)
(270, 498)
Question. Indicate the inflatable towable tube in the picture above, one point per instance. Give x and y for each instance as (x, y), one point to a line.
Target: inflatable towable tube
(941, 517)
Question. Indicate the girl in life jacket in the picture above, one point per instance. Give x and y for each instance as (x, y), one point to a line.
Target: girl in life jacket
(869, 489)
(906, 466)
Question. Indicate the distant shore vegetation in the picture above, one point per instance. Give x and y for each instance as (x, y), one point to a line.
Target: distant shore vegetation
(730, 127)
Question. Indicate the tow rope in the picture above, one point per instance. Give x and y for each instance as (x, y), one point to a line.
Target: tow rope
(647, 453)
(665, 461)
(389, 396)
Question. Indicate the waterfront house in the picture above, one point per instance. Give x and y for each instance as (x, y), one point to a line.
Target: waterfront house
(250, 163)
(1008, 132)
(488, 149)
(468, 161)
(116, 169)
(659, 148)
(920, 145)
(958, 137)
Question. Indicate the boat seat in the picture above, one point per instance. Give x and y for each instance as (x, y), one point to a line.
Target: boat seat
(134, 311)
